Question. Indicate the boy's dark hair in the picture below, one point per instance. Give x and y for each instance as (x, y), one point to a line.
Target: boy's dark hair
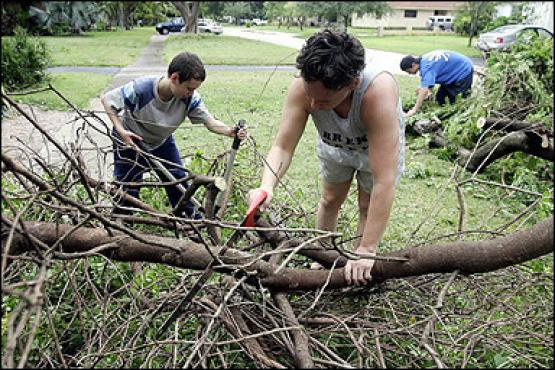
(333, 58)
(407, 62)
(188, 66)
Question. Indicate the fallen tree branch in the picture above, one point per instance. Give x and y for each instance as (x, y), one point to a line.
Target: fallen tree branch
(489, 152)
(468, 257)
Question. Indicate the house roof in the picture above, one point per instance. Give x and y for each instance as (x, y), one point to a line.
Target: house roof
(430, 5)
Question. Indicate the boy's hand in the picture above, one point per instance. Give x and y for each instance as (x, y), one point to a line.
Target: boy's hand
(242, 133)
(127, 137)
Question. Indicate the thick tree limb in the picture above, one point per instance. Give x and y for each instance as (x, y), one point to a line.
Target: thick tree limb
(495, 149)
(466, 256)
(510, 125)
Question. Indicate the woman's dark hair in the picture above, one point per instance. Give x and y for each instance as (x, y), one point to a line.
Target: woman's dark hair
(333, 58)
(188, 66)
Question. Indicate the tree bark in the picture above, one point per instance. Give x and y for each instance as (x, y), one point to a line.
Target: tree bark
(495, 149)
(189, 12)
(468, 257)
(510, 125)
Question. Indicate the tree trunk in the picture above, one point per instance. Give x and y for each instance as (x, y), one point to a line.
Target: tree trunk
(468, 257)
(189, 12)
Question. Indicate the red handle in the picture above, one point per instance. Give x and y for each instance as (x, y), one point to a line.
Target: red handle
(259, 196)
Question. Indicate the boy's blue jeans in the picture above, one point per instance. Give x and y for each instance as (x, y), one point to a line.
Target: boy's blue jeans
(129, 166)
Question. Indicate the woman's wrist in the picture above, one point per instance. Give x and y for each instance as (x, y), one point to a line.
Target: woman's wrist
(367, 249)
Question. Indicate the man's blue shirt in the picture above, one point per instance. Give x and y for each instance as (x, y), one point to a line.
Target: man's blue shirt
(443, 67)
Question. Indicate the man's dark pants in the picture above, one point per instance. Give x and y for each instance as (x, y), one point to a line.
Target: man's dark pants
(129, 166)
(452, 90)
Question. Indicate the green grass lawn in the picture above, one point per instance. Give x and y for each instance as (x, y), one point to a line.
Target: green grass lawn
(111, 48)
(230, 96)
(78, 88)
(213, 49)
(418, 45)
(406, 44)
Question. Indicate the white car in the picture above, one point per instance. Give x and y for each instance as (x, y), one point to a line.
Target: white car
(209, 27)
(503, 37)
(259, 22)
(204, 26)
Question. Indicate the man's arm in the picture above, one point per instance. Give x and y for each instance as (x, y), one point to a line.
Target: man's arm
(422, 94)
(294, 116)
(379, 116)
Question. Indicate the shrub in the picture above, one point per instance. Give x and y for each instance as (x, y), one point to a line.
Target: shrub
(503, 21)
(24, 60)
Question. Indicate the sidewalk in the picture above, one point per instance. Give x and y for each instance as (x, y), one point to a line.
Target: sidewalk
(67, 127)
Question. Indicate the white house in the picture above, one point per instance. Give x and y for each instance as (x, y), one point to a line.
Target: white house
(413, 14)
(408, 14)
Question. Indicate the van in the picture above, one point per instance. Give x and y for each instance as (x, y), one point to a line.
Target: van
(443, 22)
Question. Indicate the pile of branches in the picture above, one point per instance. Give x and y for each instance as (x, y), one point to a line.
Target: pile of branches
(86, 288)
(510, 111)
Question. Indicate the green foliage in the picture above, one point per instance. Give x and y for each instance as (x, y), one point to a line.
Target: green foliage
(63, 16)
(152, 12)
(517, 85)
(502, 21)
(481, 12)
(24, 60)
(238, 9)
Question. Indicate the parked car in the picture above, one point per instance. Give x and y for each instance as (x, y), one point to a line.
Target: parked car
(207, 26)
(503, 37)
(173, 25)
(259, 22)
(443, 22)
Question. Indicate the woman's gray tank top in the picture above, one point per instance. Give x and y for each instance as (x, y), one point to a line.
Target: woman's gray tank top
(344, 140)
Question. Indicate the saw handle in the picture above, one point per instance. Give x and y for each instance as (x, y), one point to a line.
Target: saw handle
(259, 196)
(236, 140)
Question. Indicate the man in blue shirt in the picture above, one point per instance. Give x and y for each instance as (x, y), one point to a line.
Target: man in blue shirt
(452, 71)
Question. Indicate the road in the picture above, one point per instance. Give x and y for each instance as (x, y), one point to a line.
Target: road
(386, 60)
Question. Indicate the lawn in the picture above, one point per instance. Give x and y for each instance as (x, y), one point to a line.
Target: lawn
(213, 49)
(230, 96)
(78, 88)
(405, 44)
(110, 48)
(418, 45)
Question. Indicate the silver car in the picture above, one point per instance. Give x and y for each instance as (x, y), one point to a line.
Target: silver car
(503, 37)
(208, 26)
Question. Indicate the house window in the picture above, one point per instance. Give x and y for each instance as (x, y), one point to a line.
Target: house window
(440, 12)
(410, 13)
